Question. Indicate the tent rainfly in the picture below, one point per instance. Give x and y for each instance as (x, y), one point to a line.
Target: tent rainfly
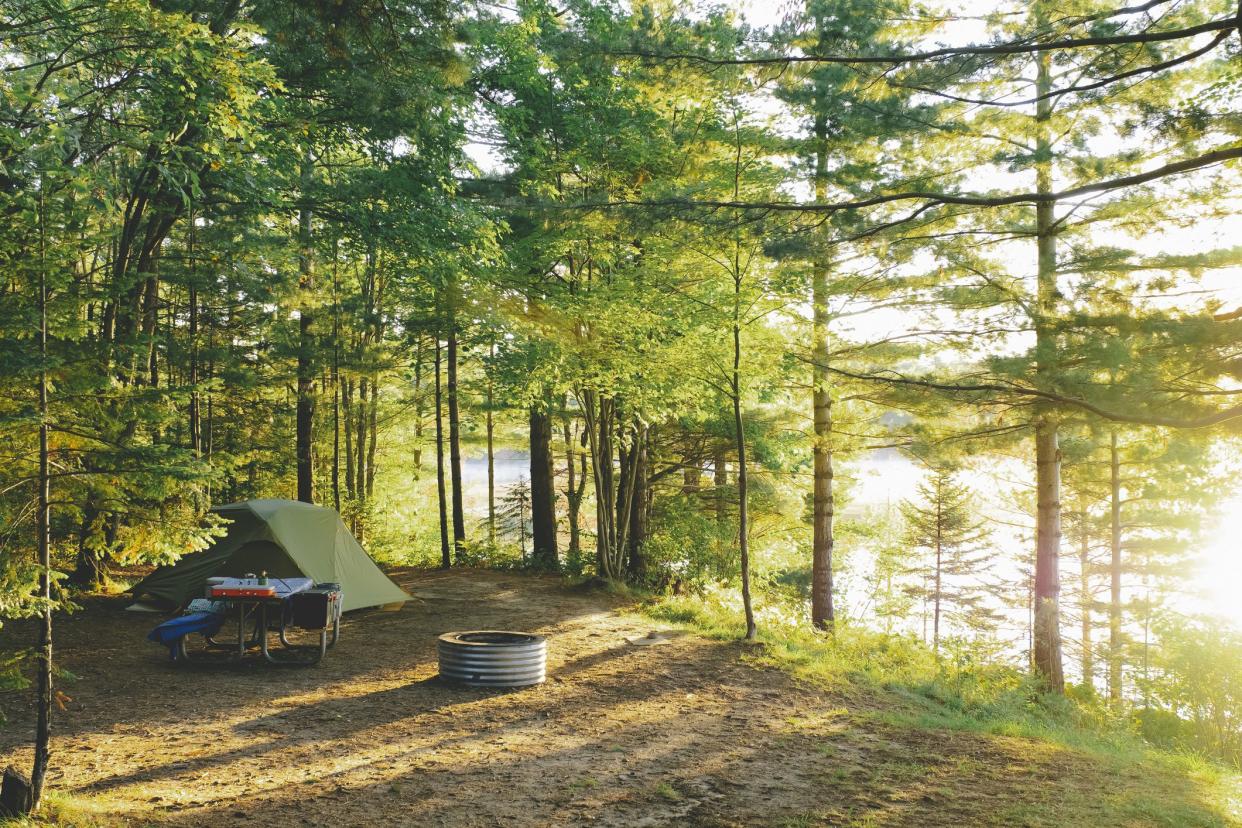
(285, 539)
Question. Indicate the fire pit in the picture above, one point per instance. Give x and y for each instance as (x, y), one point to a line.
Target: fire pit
(493, 658)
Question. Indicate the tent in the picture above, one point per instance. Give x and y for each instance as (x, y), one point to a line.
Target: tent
(285, 539)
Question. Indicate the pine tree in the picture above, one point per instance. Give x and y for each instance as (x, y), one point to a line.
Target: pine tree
(943, 526)
(513, 518)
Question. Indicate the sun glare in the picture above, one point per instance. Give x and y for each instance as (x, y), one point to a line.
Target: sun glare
(1219, 571)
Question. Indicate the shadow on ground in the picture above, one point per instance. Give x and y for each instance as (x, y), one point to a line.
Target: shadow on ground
(683, 732)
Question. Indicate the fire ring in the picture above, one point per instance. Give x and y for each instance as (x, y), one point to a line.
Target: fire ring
(493, 658)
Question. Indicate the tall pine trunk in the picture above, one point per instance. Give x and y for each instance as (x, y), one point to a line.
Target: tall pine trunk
(360, 441)
(939, 567)
(306, 343)
(196, 437)
(43, 522)
(372, 434)
(418, 406)
(822, 614)
(446, 558)
(1084, 587)
(542, 490)
(1048, 658)
(459, 515)
(491, 455)
(347, 414)
(336, 384)
(1114, 574)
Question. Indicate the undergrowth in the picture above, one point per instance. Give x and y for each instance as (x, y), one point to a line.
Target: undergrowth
(65, 811)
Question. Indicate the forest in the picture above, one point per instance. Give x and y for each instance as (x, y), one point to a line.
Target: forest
(903, 337)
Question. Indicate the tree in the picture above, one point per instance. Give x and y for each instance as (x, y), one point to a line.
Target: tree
(844, 121)
(943, 524)
(513, 518)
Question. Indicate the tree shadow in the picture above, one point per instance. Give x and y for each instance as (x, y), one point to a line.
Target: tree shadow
(118, 680)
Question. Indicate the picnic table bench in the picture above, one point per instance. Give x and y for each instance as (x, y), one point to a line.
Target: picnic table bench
(270, 605)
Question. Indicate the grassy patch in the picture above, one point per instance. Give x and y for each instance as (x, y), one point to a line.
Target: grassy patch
(1067, 760)
(666, 791)
(806, 820)
(584, 783)
(64, 811)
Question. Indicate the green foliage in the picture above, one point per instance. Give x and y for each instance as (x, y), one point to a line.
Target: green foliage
(513, 515)
(954, 542)
(247, 211)
(688, 549)
(1193, 696)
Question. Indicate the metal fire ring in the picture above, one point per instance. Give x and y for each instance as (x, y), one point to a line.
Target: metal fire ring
(493, 658)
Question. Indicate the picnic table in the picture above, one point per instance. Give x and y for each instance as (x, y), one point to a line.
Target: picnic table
(272, 605)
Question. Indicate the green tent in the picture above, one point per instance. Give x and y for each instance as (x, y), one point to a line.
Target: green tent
(285, 539)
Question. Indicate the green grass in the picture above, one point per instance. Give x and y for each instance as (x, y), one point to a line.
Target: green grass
(666, 791)
(1122, 780)
(584, 783)
(65, 811)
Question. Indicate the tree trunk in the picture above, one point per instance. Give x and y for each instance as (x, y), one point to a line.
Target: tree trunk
(418, 407)
(150, 308)
(306, 344)
(542, 491)
(939, 563)
(360, 441)
(625, 505)
(43, 522)
(459, 515)
(743, 527)
(822, 614)
(1048, 660)
(1084, 587)
(640, 500)
(491, 456)
(739, 433)
(822, 611)
(372, 435)
(347, 404)
(1047, 549)
(336, 442)
(196, 436)
(1114, 574)
(926, 592)
(89, 571)
(598, 428)
(446, 558)
(336, 383)
(573, 493)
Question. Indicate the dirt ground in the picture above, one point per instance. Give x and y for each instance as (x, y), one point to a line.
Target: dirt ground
(680, 732)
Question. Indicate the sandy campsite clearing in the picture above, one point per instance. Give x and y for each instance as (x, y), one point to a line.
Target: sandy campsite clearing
(683, 731)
